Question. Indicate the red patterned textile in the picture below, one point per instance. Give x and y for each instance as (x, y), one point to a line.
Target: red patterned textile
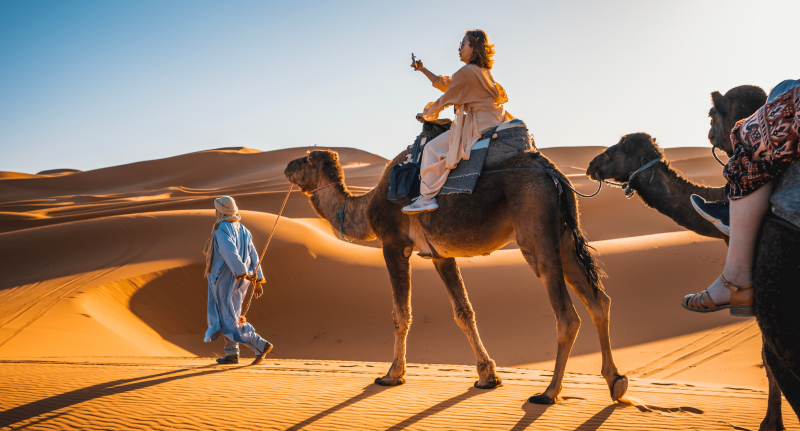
(764, 144)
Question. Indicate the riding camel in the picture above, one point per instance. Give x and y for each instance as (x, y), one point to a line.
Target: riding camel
(666, 190)
(520, 205)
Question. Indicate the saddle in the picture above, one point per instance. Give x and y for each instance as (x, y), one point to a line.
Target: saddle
(785, 200)
(494, 146)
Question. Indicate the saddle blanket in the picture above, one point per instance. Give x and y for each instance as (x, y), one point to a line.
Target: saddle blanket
(507, 140)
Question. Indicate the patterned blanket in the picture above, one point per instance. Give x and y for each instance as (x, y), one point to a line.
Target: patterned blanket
(507, 140)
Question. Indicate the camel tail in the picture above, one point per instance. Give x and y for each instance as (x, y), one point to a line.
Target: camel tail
(569, 210)
(570, 215)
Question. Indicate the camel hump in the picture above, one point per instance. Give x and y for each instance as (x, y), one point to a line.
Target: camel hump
(507, 140)
(785, 199)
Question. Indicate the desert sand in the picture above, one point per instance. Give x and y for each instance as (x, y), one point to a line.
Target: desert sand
(102, 312)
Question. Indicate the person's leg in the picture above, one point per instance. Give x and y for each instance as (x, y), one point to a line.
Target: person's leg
(231, 347)
(746, 215)
(433, 172)
(260, 346)
(231, 352)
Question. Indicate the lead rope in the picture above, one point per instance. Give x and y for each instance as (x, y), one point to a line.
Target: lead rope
(261, 258)
(714, 153)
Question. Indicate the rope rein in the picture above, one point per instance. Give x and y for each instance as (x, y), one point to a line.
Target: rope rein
(555, 176)
(714, 153)
(264, 252)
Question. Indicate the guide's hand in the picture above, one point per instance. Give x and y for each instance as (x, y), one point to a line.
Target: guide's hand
(258, 290)
(417, 65)
(242, 320)
(420, 118)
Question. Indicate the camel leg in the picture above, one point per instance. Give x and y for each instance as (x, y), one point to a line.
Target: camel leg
(537, 224)
(567, 320)
(400, 276)
(465, 318)
(773, 421)
(599, 307)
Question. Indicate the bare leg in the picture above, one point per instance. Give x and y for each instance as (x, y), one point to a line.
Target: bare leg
(599, 307)
(465, 318)
(400, 275)
(746, 216)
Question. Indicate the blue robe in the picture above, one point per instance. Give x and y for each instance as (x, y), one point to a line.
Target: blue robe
(234, 255)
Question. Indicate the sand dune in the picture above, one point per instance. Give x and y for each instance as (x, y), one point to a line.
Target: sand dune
(108, 263)
(129, 393)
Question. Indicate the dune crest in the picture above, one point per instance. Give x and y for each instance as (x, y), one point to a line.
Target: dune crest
(106, 265)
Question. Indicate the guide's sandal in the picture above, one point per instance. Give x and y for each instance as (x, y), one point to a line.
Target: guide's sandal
(227, 360)
(741, 300)
(260, 356)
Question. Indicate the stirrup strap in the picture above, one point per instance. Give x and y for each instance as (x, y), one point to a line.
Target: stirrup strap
(733, 287)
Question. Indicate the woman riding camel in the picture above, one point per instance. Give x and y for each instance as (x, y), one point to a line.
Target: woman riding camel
(479, 107)
(764, 145)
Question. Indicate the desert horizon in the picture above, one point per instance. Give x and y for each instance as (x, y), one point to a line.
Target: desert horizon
(517, 215)
(106, 266)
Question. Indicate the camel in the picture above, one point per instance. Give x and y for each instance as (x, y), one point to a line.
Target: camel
(666, 190)
(522, 205)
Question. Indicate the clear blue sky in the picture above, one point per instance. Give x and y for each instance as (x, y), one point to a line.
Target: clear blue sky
(89, 84)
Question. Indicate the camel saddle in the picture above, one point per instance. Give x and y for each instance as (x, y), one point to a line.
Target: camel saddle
(785, 200)
(494, 146)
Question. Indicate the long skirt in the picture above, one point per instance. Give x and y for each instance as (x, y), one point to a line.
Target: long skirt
(764, 145)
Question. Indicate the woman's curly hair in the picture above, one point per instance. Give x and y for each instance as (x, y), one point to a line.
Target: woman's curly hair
(482, 50)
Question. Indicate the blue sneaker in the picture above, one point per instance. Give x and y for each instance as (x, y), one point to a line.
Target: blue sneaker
(717, 212)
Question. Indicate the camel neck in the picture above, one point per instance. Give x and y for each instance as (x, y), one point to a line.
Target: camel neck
(330, 200)
(668, 192)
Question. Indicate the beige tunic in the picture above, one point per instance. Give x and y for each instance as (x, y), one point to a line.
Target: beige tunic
(479, 106)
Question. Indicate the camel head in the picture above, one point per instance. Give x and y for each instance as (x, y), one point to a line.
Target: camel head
(318, 168)
(738, 103)
(631, 153)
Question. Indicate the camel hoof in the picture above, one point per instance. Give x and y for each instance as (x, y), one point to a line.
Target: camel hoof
(619, 388)
(542, 399)
(492, 383)
(388, 381)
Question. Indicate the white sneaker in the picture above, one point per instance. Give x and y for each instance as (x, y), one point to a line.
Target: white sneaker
(421, 205)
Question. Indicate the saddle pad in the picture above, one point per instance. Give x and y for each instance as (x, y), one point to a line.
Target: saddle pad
(508, 136)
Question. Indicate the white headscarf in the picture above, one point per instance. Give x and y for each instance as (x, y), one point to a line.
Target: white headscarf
(226, 211)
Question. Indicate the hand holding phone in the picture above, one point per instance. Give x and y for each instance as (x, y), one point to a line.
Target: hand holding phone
(416, 64)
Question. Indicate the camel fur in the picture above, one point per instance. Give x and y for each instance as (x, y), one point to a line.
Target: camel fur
(520, 205)
(668, 191)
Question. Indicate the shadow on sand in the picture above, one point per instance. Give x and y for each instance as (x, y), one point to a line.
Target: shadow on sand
(532, 412)
(443, 405)
(58, 402)
(367, 392)
(598, 419)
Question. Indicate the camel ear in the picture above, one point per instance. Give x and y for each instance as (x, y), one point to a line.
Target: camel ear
(626, 144)
(721, 103)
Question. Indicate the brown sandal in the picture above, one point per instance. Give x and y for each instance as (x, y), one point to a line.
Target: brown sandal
(741, 300)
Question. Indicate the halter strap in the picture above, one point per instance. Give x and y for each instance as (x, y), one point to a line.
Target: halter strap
(323, 187)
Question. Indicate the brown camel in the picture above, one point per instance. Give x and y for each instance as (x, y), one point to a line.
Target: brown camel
(667, 191)
(522, 205)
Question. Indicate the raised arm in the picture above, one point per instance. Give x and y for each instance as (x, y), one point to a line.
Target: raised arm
(438, 81)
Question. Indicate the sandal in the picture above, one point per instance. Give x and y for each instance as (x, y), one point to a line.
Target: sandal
(741, 300)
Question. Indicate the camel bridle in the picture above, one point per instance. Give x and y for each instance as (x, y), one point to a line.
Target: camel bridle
(626, 186)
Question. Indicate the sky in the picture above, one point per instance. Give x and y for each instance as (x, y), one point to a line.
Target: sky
(90, 84)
